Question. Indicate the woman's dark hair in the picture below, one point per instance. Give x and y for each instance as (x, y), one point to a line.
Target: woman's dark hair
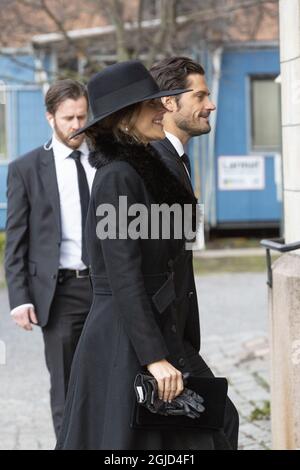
(61, 90)
(172, 73)
(121, 124)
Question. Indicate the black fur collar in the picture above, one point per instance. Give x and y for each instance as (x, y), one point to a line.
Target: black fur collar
(159, 181)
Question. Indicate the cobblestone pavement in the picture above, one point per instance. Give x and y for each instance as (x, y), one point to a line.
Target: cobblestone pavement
(243, 359)
(234, 326)
(234, 343)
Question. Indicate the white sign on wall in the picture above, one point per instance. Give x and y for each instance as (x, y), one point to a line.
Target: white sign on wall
(241, 173)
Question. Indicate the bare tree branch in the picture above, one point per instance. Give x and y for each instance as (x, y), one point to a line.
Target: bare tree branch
(56, 21)
(167, 27)
(178, 23)
(116, 16)
(140, 17)
(215, 12)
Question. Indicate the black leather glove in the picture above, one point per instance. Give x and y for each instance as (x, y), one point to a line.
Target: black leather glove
(188, 403)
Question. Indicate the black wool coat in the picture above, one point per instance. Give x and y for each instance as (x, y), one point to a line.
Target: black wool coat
(144, 308)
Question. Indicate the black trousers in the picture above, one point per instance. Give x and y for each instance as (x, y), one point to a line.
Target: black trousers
(69, 309)
(231, 418)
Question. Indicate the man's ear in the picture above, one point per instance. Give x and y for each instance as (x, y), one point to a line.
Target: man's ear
(169, 103)
(50, 119)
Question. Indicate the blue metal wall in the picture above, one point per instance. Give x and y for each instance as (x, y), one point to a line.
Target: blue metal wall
(233, 134)
(32, 129)
(27, 127)
(3, 173)
(17, 69)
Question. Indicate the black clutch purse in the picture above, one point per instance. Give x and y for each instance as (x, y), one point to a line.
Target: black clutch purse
(201, 404)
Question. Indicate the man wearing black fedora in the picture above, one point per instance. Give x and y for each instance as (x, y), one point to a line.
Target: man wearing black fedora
(188, 116)
(143, 315)
(46, 261)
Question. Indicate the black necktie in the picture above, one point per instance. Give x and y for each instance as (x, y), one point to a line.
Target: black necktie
(84, 193)
(186, 161)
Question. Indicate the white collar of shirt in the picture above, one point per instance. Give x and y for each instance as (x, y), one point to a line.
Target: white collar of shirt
(62, 151)
(177, 144)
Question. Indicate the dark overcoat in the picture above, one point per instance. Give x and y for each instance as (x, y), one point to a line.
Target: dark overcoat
(144, 308)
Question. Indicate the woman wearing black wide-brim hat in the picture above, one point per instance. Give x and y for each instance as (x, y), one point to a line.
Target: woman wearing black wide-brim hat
(142, 317)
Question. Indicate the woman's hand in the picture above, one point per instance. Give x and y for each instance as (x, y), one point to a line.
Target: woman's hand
(169, 379)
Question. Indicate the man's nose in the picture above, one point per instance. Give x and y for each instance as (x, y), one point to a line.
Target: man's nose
(76, 123)
(211, 106)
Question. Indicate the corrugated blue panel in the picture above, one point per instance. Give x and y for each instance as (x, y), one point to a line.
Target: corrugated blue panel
(17, 70)
(233, 134)
(233, 129)
(3, 176)
(27, 126)
(33, 129)
(2, 219)
(28, 129)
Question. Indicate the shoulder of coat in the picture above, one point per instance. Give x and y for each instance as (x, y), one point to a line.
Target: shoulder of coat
(26, 159)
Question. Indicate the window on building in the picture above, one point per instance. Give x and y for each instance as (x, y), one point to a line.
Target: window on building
(3, 152)
(265, 113)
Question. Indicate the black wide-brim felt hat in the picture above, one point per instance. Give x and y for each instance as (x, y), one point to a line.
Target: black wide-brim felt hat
(121, 85)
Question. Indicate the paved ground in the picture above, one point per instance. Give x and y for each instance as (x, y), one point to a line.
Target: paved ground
(234, 328)
(234, 323)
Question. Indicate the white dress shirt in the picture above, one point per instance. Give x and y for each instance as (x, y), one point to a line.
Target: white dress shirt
(199, 244)
(70, 208)
(177, 144)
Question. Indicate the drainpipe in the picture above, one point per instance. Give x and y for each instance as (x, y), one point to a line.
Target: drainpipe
(211, 186)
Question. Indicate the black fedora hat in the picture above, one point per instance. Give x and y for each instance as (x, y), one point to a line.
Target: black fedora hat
(121, 85)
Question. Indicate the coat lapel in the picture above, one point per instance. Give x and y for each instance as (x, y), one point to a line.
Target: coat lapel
(174, 160)
(49, 178)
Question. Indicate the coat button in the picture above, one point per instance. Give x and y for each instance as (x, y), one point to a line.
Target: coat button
(190, 294)
(181, 362)
(173, 329)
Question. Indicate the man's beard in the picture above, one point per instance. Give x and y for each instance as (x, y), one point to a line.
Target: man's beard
(186, 126)
(72, 143)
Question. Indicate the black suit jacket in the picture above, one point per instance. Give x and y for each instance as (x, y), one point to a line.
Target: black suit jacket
(33, 231)
(173, 161)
